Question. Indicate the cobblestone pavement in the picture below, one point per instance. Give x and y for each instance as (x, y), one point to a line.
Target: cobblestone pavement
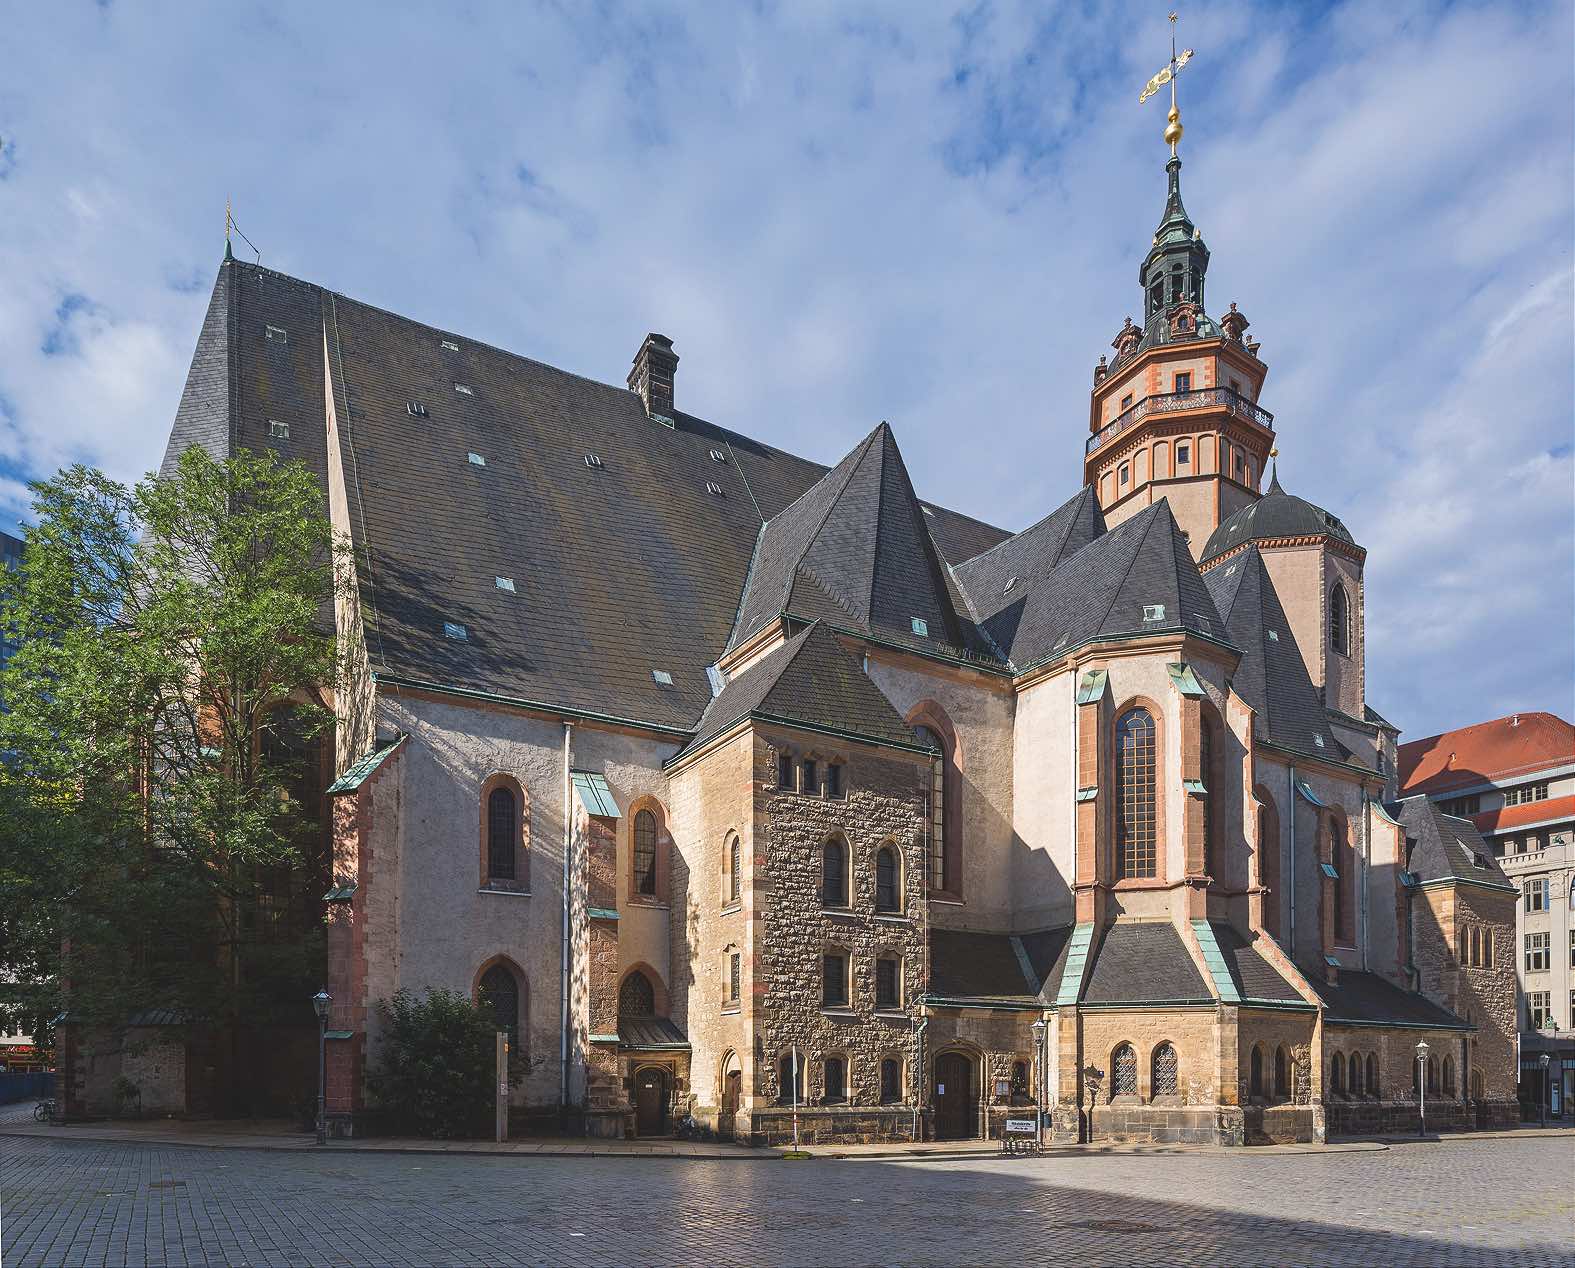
(1436, 1203)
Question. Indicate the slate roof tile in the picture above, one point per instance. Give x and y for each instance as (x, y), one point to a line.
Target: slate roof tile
(1440, 845)
(1144, 962)
(1253, 973)
(1367, 998)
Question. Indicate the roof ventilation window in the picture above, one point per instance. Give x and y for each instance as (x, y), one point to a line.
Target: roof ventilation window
(927, 510)
(718, 456)
(278, 430)
(276, 334)
(504, 583)
(662, 677)
(1274, 636)
(921, 627)
(1318, 740)
(455, 631)
(450, 346)
(463, 389)
(1231, 571)
(714, 675)
(1154, 612)
(476, 460)
(713, 488)
(1203, 622)
(1060, 643)
(593, 460)
(1007, 588)
(416, 409)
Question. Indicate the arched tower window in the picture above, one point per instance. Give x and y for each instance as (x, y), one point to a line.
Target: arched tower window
(500, 834)
(1269, 861)
(637, 997)
(1282, 1080)
(945, 862)
(1344, 883)
(1340, 619)
(1214, 789)
(834, 873)
(1136, 854)
(888, 892)
(645, 853)
(499, 991)
(734, 861)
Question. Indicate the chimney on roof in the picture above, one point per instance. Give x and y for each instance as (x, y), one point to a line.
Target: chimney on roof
(652, 376)
(1515, 721)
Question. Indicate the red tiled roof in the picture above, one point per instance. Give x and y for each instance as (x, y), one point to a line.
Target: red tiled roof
(1507, 817)
(1502, 749)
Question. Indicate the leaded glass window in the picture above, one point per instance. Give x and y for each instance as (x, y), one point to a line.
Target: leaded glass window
(887, 897)
(1135, 795)
(1124, 1078)
(836, 1079)
(1165, 1082)
(1340, 620)
(887, 991)
(834, 980)
(645, 852)
(501, 993)
(890, 1081)
(637, 997)
(734, 859)
(834, 873)
(500, 834)
(1211, 795)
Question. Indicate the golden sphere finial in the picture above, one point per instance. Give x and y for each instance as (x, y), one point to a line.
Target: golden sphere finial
(1173, 128)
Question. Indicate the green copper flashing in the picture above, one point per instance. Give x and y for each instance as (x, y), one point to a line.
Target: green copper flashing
(1309, 796)
(1184, 680)
(1195, 786)
(1383, 814)
(1092, 687)
(595, 796)
(1219, 971)
(364, 769)
(1077, 950)
(1087, 794)
(340, 893)
(601, 913)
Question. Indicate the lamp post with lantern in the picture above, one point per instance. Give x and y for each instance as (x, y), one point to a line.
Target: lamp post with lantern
(1421, 1087)
(320, 1003)
(1041, 1030)
(1544, 1060)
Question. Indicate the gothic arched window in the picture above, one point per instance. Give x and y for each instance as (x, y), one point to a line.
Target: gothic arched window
(1136, 855)
(1340, 620)
(500, 992)
(645, 853)
(888, 893)
(1123, 1081)
(1372, 1074)
(1166, 1081)
(500, 834)
(1214, 789)
(945, 862)
(1337, 1073)
(637, 997)
(1282, 1081)
(1255, 1073)
(834, 873)
(734, 860)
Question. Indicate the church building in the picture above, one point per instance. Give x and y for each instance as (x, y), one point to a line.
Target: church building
(745, 788)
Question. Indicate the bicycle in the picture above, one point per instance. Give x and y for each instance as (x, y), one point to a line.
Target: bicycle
(47, 1111)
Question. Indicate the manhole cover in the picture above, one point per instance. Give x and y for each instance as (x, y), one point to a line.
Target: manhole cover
(1112, 1226)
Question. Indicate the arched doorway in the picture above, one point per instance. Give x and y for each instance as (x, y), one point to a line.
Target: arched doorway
(732, 1090)
(956, 1097)
(650, 1102)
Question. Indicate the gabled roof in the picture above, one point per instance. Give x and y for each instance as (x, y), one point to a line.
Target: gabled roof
(1100, 589)
(1144, 962)
(978, 967)
(618, 571)
(1272, 676)
(1365, 999)
(1440, 846)
(1497, 751)
(1253, 974)
(856, 550)
(1276, 514)
(812, 681)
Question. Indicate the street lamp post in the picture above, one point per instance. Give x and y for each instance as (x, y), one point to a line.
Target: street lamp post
(1040, 1030)
(320, 1003)
(1421, 1087)
(1544, 1061)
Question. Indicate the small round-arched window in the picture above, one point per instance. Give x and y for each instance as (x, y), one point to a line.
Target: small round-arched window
(888, 895)
(1166, 1080)
(1123, 1080)
(637, 997)
(1340, 620)
(645, 852)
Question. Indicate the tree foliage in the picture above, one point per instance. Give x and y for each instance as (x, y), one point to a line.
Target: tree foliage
(438, 1063)
(160, 781)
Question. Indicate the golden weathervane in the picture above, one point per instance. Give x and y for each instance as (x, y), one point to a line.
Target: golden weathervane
(1168, 76)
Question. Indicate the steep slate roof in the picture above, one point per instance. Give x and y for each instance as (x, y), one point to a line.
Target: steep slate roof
(1276, 514)
(1440, 845)
(1367, 999)
(809, 679)
(855, 549)
(1144, 962)
(1100, 589)
(1254, 975)
(618, 571)
(1503, 749)
(1271, 677)
(1009, 968)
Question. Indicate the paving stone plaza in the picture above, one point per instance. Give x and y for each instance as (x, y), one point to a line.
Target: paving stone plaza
(1432, 1203)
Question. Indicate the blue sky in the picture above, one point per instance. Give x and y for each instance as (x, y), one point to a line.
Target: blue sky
(847, 212)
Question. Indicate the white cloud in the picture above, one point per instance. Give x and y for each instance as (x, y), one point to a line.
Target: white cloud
(843, 215)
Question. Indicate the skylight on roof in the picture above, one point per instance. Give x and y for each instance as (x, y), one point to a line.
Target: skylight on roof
(1231, 571)
(927, 510)
(450, 346)
(593, 460)
(716, 678)
(504, 583)
(1203, 621)
(476, 460)
(456, 631)
(1274, 636)
(662, 677)
(713, 488)
(278, 430)
(1318, 740)
(463, 389)
(1154, 612)
(416, 409)
(921, 627)
(718, 456)
(1010, 582)
(276, 334)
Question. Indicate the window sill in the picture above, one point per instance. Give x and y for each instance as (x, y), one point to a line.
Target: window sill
(1143, 882)
(732, 909)
(891, 1012)
(893, 918)
(509, 892)
(949, 900)
(842, 912)
(731, 1010)
(838, 1012)
(645, 900)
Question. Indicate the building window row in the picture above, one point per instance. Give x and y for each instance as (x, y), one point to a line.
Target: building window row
(835, 1080)
(1164, 1072)
(1525, 793)
(1353, 1075)
(1475, 946)
(835, 980)
(836, 881)
(811, 776)
(1462, 807)
(1535, 893)
(1266, 1080)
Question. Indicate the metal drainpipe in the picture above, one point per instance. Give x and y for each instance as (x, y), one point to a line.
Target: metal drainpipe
(1290, 888)
(1365, 872)
(568, 851)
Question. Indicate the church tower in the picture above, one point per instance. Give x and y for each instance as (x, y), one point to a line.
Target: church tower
(1175, 414)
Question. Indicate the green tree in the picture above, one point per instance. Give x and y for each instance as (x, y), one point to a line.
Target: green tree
(437, 1066)
(159, 772)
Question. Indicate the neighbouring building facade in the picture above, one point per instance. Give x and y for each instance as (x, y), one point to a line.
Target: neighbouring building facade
(748, 789)
(1514, 778)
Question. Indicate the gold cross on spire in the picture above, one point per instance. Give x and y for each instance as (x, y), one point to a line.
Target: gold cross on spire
(1168, 76)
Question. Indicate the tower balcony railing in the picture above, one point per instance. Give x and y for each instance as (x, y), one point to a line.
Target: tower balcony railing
(1168, 402)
